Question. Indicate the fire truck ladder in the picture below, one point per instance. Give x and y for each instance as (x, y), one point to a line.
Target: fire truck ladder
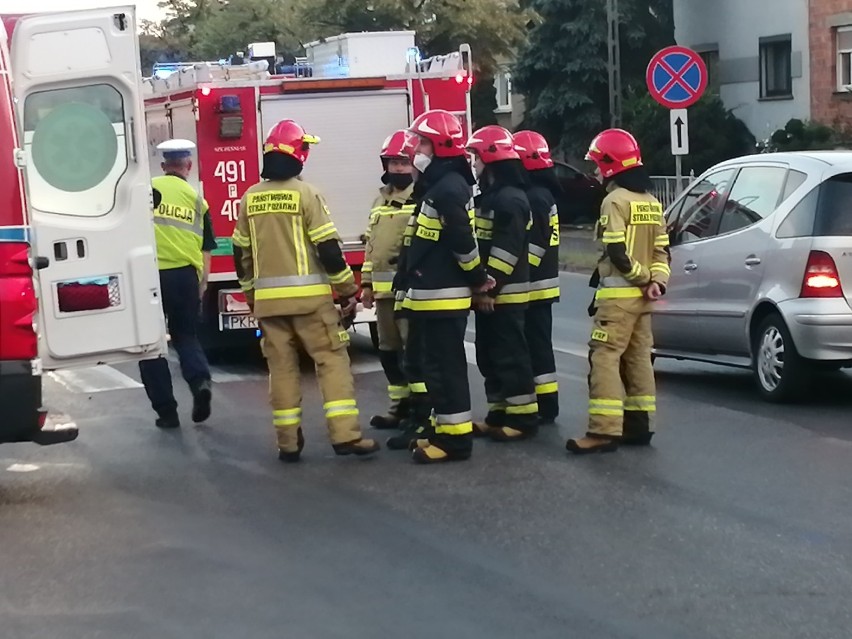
(459, 62)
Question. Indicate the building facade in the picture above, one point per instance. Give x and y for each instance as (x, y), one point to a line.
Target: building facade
(757, 54)
(830, 26)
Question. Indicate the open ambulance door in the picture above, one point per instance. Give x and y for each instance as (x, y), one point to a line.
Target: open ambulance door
(77, 82)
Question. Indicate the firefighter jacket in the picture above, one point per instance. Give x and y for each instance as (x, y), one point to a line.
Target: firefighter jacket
(633, 231)
(181, 224)
(544, 246)
(502, 220)
(389, 219)
(440, 261)
(290, 257)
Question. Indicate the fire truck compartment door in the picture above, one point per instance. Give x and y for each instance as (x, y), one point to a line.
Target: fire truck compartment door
(345, 165)
(78, 87)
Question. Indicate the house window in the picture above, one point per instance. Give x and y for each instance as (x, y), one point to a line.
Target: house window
(503, 84)
(776, 67)
(711, 61)
(844, 58)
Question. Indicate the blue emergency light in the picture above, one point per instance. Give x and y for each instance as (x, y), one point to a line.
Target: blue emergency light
(229, 104)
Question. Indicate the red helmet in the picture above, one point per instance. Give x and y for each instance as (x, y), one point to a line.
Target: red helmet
(289, 137)
(398, 146)
(493, 143)
(533, 149)
(443, 130)
(614, 151)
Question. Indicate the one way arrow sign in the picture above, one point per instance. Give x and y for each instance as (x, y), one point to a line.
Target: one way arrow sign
(679, 132)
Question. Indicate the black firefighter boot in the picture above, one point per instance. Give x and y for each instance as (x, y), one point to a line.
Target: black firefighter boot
(416, 425)
(637, 428)
(291, 457)
(592, 443)
(395, 416)
(397, 386)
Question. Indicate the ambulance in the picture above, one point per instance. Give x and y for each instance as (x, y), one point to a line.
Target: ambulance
(351, 91)
(78, 273)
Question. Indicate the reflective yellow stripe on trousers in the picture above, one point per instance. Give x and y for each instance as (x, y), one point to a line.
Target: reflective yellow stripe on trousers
(291, 286)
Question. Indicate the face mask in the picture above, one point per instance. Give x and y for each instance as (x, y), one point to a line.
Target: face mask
(422, 162)
(398, 180)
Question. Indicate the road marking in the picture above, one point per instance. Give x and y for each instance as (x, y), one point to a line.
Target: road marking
(22, 468)
(96, 379)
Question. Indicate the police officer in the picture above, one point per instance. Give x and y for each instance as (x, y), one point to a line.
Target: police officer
(544, 268)
(388, 220)
(438, 271)
(288, 259)
(632, 274)
(502, 219)
(184, 236)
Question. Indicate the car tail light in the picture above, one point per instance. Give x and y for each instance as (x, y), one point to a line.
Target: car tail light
(821, 277)
(18, 340)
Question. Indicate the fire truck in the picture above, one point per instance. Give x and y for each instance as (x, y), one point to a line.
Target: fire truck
(79, 284)
(351, 90)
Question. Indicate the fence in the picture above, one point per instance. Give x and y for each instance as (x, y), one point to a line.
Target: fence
(666, 188)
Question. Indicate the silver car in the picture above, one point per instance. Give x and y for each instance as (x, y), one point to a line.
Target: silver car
(761, 278)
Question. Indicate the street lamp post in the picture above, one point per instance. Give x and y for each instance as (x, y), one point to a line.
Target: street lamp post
(614, 56)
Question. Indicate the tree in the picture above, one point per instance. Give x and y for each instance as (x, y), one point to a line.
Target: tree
(563, 72)
(493, 27)
(240, 22)
(715, 133)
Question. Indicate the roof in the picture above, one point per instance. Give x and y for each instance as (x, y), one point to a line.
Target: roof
(359, 34)
(840, 157)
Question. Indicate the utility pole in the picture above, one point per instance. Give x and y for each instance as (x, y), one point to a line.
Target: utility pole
(614, 50)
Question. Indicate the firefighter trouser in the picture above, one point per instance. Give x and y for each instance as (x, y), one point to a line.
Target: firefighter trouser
(504, 361)
(622, 396)
(420, 406)
(392, 335)
(538, 328)
(441, 344)
(325, 341)
(180, 294)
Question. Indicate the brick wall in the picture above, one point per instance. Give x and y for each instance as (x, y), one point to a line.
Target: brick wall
(827, 105)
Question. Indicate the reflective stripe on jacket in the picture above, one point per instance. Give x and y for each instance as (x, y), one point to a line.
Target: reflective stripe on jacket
(280, 224)
(178, 224)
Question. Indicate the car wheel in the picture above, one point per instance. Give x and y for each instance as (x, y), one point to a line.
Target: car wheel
(781, 373)
(374, 334)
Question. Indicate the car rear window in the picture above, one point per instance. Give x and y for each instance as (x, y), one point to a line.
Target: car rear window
(834, 215)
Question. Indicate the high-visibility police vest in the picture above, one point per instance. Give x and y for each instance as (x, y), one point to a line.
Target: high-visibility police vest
(179, 224)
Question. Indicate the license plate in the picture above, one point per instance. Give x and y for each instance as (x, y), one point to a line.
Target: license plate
(237, 322)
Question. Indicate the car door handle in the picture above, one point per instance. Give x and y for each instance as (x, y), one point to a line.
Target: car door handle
(690, 266)
(752, 260)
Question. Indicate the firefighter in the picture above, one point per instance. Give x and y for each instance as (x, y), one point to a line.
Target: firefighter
(388, 220)
(288, 259)
(631, 275)
(544, 268)
(502, 220)
(438, 271)
(184, 236)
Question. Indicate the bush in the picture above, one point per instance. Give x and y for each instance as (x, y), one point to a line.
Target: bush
(798, 135)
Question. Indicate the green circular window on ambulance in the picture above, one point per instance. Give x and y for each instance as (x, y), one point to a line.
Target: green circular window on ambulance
(74, 147)
(76, 144)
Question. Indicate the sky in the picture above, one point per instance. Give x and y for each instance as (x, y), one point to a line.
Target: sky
(145, 9)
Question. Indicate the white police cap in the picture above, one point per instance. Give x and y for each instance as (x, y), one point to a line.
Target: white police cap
(176, 149)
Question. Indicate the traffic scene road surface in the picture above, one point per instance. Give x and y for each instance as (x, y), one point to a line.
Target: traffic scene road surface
(734, 525)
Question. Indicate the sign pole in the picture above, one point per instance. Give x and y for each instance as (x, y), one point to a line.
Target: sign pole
(678, 174)
(676, 79)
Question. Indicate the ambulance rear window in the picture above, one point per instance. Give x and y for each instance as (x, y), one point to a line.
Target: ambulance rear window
(76, 146)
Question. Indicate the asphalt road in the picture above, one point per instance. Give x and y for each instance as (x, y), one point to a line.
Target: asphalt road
(736, 525)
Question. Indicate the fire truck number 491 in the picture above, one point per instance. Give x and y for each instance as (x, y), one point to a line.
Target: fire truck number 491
(231, 172)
